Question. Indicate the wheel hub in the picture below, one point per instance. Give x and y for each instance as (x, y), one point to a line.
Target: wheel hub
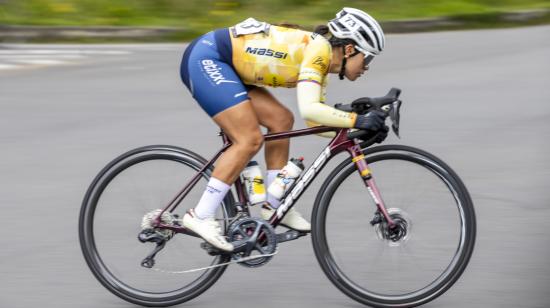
(401, 230)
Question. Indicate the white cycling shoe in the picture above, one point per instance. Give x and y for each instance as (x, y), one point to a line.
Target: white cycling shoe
(293, 219)
(209, 229)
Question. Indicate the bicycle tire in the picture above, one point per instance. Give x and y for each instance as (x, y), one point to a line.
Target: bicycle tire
(86, 230)
(327, 261)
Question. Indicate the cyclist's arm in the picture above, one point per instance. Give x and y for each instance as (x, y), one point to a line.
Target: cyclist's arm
(313, 124)
(313, 110)
(311, 82)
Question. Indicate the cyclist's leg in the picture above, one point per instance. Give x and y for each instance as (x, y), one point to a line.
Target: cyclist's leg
(220, 92)
(276, 118)
(241, 126)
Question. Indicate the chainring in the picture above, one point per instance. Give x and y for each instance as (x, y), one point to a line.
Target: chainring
(259, 236)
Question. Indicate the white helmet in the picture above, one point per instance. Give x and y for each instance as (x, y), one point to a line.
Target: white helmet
(360, 27)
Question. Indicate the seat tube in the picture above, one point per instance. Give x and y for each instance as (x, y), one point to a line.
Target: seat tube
(358, 158)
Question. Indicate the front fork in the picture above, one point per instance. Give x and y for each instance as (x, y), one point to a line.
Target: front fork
(358, 158)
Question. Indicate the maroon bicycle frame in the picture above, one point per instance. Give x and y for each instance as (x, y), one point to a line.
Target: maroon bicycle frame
(341, 142)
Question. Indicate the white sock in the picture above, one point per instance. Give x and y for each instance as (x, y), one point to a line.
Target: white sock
(211, 198)
(271, 175)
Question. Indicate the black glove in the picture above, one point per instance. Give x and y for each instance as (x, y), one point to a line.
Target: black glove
(382, 134)
(373, 121)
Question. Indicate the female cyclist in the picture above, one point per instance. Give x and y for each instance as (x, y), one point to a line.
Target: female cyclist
(226, 71)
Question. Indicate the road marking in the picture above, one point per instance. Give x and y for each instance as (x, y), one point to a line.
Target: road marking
(23, 57)
(62, 52)
(41, 62)
(17, 57)
(7, 66)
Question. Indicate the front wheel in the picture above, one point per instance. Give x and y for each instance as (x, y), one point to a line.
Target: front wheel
(406, 266)
(132, 185)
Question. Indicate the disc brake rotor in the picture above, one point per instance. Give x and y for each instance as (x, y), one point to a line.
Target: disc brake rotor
(400, 233)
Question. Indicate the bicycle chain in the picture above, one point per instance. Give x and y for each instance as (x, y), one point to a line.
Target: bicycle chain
(217, 265)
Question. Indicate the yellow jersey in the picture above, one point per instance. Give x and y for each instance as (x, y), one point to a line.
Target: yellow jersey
(269, 55)
(280, 57)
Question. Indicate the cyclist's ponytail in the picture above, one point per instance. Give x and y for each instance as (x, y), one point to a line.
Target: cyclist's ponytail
(322, 29)
(334, 41)
(289, 25)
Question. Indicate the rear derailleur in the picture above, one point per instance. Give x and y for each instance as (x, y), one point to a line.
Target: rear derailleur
(156, 235)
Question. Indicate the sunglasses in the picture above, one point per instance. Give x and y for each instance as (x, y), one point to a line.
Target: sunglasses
(367, 56)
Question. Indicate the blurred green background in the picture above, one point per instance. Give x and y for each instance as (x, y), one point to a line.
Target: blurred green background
(195, 17)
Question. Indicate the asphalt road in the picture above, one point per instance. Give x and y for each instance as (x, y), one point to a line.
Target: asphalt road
(477, 99)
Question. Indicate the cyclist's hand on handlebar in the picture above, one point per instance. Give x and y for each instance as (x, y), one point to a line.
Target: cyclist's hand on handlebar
(382, 134)
(374, 120)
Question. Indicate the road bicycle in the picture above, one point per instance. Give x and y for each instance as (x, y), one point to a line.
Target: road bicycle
(399, 241)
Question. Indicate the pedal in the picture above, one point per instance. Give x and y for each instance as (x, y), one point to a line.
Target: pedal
(210, 249)
(290, 235)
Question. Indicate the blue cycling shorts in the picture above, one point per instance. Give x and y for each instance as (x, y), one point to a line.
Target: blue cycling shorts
(207, 71)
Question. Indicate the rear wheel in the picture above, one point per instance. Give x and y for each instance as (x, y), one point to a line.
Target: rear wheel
(132, 185)
(405, 266)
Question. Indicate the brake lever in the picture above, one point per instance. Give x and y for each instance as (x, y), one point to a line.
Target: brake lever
(392, 110)
(395, 116)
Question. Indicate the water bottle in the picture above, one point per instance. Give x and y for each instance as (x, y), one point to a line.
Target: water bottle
(286, 177)
(254, 183)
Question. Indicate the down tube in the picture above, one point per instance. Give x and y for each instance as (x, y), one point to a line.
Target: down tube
(300, 186)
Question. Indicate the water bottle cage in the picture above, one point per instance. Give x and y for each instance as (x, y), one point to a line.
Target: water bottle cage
(288, 183)
(287, 179)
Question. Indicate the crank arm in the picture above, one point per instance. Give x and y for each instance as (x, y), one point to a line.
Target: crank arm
(238, 246)
(244, 246)
(290, 235)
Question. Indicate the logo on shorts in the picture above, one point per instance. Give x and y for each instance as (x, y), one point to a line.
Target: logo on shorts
(214, 72)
